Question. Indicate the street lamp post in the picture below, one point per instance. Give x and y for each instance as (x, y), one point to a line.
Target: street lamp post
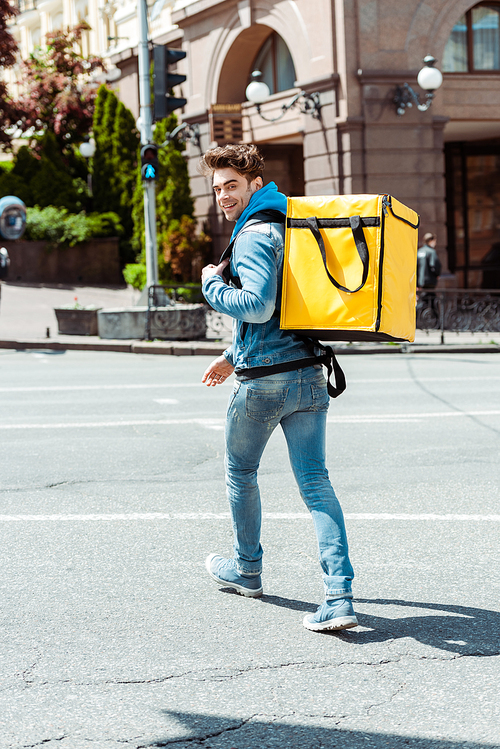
(87, 150)
(146, 129)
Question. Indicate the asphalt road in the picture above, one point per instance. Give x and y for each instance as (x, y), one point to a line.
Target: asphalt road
(112, 496)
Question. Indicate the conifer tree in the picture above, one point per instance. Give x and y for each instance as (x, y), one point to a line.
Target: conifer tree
(104, 198)
(173, 198)
(114, 162)
(174, 193)
(45, 180)
(53, 184)
(125, 144)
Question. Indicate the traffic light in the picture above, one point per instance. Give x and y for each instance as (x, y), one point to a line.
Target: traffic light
(149, 162)
(164, 81)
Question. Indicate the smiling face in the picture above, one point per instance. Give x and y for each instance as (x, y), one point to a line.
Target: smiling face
(233, 191)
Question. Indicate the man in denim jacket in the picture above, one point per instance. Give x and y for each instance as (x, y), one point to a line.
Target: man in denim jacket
(278, 381)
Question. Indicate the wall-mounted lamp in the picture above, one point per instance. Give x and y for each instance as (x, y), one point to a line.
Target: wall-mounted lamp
(258, 92)
(112, 74)
(429, 78)
(187, 133)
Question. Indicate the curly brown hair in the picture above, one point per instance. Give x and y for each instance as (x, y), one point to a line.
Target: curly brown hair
(244, 158)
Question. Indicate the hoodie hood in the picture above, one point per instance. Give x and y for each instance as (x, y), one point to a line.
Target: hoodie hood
(264, 199)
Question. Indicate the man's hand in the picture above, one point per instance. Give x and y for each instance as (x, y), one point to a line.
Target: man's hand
(213, 270)
(218, 372)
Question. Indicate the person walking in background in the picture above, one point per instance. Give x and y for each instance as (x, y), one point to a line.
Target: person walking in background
(278, 382)
(428, 263)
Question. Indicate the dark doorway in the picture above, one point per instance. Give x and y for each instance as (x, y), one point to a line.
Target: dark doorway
(285, 166)
(473, 212)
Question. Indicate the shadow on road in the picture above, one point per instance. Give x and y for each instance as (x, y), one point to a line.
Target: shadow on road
(456, 629)
(462, 630)
(257, 733)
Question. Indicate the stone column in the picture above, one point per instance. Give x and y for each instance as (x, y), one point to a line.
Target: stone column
(205, 207)
(403, 155)
(321, 148)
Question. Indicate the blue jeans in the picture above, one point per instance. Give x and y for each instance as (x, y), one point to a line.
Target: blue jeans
(298, 401)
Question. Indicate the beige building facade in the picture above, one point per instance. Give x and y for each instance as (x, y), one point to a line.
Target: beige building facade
(444, 162)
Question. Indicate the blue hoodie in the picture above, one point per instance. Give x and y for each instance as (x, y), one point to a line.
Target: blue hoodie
(257, 260)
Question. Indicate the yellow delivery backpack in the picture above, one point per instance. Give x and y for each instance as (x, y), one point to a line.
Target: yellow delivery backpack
(349, 270)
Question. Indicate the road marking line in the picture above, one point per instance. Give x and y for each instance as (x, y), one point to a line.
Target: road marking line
(265, 515)
(373, 418)
(121, 386)
(216, 423)
(209, 423)
(146, 386)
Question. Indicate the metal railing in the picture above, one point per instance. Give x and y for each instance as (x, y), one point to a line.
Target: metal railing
(452, 310)
(459, 310)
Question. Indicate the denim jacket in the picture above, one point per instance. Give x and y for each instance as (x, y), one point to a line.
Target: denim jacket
(257, 260)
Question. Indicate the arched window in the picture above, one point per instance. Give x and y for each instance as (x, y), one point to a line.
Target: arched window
(474, 43)
(275, 63)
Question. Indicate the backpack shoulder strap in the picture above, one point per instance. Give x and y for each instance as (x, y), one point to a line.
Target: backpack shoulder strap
(329, 360)
(270, 216)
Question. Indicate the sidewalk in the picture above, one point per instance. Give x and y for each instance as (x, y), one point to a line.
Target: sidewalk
(27, 321)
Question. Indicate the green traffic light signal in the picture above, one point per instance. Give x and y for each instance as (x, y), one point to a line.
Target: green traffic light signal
(150, 165)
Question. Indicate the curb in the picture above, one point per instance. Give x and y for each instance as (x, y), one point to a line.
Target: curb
(207, 348)
(169, 348)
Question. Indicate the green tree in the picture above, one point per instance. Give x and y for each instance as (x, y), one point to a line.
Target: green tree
(17, 181)
(8, 50)
(57, 101)
(174, 194)
(125, 145)
(53, 183)
(57, 94)
(173, 200)
(114, 162)
(186, 250)
(48, 178)
(103, 183)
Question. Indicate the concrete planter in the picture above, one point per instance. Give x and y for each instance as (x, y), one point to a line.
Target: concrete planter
(180, 322)
(76, 321)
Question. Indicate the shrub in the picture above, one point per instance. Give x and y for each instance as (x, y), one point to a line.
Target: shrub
(190, 294)
(135, 275)
(57, 226)
(185, 250)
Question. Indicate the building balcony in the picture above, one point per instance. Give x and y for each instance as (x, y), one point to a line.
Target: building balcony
(24, 6)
